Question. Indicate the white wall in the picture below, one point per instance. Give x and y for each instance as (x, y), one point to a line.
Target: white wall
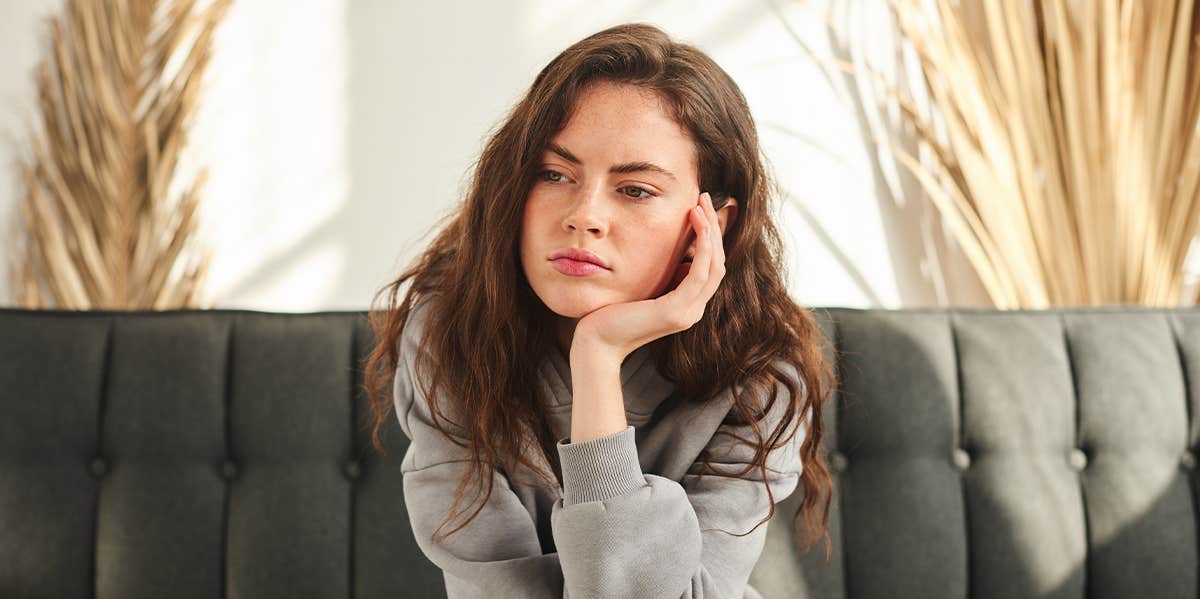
(336, 132)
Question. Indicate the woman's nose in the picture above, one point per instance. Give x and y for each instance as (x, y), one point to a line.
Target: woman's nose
(587, 210)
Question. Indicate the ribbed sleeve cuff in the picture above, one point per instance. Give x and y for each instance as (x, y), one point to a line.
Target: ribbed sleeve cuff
(600, 468)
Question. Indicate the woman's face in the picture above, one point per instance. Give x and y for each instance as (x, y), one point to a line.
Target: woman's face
(617, 180)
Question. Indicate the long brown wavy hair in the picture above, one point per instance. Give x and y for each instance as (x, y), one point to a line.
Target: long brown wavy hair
(486, 327)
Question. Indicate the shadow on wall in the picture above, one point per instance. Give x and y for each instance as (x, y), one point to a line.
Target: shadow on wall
(928, 267)
(397, 102)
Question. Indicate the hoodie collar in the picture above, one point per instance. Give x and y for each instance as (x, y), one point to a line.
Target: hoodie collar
(642, 385)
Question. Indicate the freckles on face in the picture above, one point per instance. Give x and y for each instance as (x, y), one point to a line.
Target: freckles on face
(635, 220)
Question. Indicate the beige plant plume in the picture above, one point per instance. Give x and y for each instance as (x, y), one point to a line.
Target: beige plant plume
(104, 225)
(1071, 172)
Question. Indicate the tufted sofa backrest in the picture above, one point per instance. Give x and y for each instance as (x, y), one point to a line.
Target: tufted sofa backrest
(197, 454)
(989, 453)
(217, 453)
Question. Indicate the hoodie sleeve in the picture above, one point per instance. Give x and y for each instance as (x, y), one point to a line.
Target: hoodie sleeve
(498, 554)
(624, 533)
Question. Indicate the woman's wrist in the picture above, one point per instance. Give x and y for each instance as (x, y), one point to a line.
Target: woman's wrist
(598, 404)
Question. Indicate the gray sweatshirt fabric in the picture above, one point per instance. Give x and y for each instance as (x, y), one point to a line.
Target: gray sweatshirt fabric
(632, 518)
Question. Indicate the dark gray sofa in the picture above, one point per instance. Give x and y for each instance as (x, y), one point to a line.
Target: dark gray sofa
(224, 453)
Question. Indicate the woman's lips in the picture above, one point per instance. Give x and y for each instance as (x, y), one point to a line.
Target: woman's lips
(576, 268)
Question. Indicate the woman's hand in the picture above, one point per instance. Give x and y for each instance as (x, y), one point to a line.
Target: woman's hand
(616, 330)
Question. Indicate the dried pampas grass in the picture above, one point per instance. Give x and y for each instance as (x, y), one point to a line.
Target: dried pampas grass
(1073, 159)
(1064, 151)
(105, 226)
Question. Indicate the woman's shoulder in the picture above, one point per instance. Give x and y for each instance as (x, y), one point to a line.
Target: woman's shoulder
(409, 345)
(415, 367)
(410, 339)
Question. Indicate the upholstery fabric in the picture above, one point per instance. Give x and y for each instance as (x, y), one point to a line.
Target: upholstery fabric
(226, 453)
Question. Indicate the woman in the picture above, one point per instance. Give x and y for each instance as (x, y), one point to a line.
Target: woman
(601, 347)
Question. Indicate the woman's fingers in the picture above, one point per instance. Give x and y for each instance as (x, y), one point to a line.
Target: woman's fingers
(717, 247)
(679, 300)
(689, 298)
(692, 297)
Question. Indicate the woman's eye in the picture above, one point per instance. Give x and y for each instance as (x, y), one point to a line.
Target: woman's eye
(648, 193)
(553, 176)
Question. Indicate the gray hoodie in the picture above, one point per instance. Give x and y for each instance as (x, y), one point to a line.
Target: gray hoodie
(632, 518)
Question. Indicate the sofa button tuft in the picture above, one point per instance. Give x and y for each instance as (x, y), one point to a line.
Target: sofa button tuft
(962, 459)
(1078, 459)
(99, 466)
(352, 469)
(229, 470)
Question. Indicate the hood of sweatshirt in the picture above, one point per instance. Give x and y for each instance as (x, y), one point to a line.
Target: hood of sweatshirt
(642, 385)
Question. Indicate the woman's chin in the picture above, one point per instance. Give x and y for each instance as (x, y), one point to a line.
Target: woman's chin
(575, 308)
(576, 302)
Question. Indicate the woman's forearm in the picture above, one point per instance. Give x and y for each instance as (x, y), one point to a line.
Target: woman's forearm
(598, 406)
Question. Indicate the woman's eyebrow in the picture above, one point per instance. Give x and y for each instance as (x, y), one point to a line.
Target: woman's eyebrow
(628, 167)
